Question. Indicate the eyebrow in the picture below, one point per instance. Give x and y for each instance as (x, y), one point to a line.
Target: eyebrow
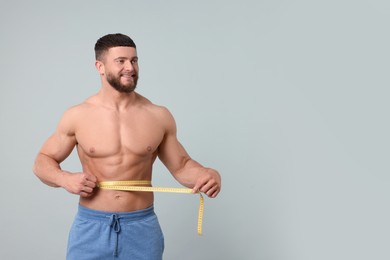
(126, 58)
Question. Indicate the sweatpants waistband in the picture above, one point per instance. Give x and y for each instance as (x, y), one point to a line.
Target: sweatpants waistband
(100, 215)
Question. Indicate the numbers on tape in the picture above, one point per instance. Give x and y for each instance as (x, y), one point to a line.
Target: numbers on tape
(131, 186)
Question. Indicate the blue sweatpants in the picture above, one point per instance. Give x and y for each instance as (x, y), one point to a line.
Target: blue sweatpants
(105, 235)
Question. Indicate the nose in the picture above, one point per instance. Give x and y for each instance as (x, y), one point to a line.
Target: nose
(129, 66)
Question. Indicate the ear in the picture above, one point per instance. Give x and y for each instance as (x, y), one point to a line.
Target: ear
(100, 67)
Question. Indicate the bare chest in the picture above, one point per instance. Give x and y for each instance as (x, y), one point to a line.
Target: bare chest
(109, 134)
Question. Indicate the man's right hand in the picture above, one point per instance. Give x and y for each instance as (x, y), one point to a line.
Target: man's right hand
(79, 183)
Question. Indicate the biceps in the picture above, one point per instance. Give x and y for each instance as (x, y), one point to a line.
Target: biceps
(58, 146)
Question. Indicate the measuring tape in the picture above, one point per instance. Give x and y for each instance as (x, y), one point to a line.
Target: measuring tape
(130, 186)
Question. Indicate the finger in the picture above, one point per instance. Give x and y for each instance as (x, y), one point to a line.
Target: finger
(85, 194)
(90, 184)
(90, 177)
(197, 186)
(207, 186)
(84, 189)
(211, 191)
(87, 177)
(215, 194)
(195, 189)
(87, 189)
(200, 186)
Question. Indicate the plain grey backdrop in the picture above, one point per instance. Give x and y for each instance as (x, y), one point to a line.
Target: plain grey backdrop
(289, 100)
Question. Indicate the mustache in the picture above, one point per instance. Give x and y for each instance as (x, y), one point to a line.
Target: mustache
(132, 74)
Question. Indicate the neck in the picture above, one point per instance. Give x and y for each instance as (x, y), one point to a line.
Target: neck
(114, 99)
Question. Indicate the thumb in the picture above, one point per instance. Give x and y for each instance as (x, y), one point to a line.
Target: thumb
(197, 187)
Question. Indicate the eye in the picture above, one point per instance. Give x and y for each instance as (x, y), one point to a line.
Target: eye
(134, 61)
(120, 61)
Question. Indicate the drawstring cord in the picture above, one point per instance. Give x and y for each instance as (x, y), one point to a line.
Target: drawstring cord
(114, 223)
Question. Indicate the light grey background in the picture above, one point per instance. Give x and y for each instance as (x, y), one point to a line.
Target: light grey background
(289, 100)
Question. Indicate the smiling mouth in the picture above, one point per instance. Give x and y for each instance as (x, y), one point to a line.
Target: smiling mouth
(128, 76)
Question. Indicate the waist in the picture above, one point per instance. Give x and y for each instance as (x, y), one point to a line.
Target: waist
(101, 215)
(117, 201)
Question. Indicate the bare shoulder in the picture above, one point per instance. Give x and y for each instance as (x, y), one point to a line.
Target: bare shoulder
(76, 111)
(73, 115)
(161, 113)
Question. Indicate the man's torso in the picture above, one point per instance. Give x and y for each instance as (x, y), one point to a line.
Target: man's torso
(119, 145)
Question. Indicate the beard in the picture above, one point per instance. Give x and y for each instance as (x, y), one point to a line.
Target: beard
(115, 82)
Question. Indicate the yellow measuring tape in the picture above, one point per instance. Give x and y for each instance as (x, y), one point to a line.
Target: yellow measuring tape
(130, 186)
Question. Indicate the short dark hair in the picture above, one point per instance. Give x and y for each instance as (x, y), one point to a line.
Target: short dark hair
(112, 40)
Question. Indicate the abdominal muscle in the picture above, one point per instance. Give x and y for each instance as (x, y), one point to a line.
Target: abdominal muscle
(112, 169)
(118, 201)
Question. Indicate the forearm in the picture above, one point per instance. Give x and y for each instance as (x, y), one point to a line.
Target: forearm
(189, 173)
(200, 179)
(48, 170)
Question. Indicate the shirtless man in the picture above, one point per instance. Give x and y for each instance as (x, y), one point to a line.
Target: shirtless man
(118, 135)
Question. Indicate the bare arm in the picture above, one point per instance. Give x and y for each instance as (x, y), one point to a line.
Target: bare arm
(186, 170)
(55, 150)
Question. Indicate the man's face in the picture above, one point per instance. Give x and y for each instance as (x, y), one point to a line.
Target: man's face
(121, 68)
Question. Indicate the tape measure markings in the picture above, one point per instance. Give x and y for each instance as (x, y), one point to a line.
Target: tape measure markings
(128, 186)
